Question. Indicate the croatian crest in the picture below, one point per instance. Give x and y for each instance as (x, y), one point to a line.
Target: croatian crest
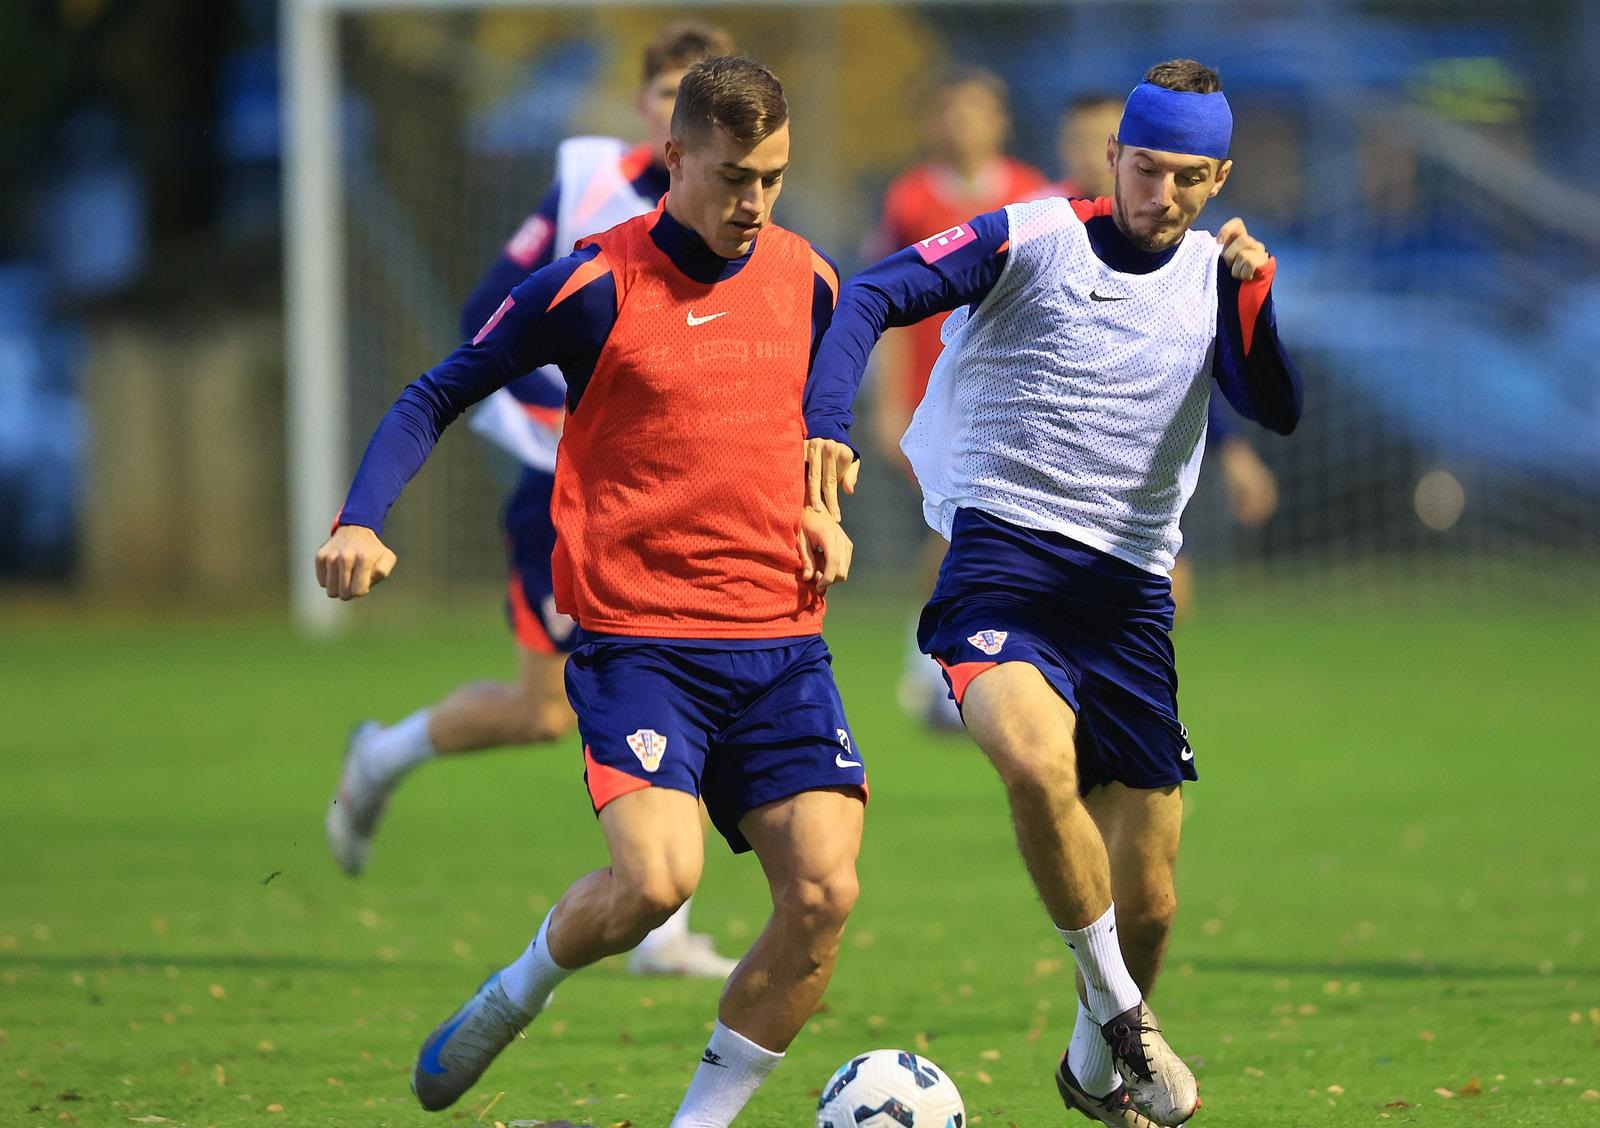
(649, 745)
(989, 642)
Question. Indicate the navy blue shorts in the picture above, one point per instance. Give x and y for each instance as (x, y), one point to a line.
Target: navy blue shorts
(530, 539)
(1097, 628)
(740, 726)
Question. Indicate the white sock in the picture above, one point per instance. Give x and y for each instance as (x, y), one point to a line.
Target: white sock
(529, 981)
(391, 752)
(676, 927)
(1089, 1057)
(729, 1074)
(1111, 989)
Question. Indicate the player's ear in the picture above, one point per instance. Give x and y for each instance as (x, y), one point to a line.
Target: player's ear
(673, 154)
(1111, 152)
(1222, 178)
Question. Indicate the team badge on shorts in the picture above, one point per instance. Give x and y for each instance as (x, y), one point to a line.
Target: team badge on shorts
(989, 642)
(649, 745)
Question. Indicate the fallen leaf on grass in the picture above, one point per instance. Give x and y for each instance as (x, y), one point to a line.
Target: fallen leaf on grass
(220, 1074)
(1336, 1090)
(149, 1120)
(1472, 1088)
(1447, 1094)
(1589, 1095)
(1398, 1104)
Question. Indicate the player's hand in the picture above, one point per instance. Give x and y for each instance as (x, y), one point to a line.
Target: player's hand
(1243, 253)
(830, 466)
(1252, 488)
(352, 561)
(825, 550)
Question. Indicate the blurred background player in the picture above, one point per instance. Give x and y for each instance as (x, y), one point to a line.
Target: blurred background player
(1088, 124)
(967, 121)
(600, 182)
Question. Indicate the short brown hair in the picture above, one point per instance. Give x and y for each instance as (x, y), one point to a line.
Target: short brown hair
(681, 45)
(1184, 75)
(740, 95)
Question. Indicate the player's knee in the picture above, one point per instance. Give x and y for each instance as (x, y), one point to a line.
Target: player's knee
(819, 905)
(1036, 768)
(648, 898)
(1149, 912)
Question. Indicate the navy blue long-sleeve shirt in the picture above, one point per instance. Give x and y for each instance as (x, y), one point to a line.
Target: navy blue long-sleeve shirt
(529, 328)
(1251, 367)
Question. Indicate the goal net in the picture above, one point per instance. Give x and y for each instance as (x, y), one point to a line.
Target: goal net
(1438, 287)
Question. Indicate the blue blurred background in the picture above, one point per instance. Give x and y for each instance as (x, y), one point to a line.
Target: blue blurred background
(1425, 171)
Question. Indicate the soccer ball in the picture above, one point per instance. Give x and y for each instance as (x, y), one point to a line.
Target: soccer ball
(890, 1089)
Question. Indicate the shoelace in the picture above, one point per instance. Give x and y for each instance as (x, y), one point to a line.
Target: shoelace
(1129, 1047)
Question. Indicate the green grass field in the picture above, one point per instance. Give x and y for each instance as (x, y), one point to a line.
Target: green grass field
(1390, 886)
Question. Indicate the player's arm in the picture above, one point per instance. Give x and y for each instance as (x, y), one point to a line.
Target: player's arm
(559, 315)
(831, 460)
(1252, 486)
(1252, 367)
(825, 550)
(941, 273)
(531, 248)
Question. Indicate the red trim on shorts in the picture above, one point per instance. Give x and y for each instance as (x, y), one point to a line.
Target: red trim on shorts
(525, 622)
(961, 675)
(606, 783)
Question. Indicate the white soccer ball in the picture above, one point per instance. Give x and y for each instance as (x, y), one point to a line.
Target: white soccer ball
(890, 1089)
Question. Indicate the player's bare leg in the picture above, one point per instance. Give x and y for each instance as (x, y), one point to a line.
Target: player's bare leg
(807, 845)
(657, 852)
(494, 714)
(1026, 730)
(1141, 829)
(487, 714)
(1182, 576)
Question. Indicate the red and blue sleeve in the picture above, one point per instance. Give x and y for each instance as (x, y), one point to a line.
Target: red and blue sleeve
(559, 315)
(942, 272)
(1252, 367)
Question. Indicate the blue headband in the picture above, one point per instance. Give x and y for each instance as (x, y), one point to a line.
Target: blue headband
(1176, 121)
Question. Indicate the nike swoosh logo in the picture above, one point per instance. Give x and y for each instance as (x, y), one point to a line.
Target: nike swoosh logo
(1096, 296)
(693, 320)
(1186, 754)
(429, 1062)
(839, 759)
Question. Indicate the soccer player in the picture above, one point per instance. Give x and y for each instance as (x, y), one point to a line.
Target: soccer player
(600, 181)
(1059, 440)
(695, 573)
(967, 120)
(1089, 121)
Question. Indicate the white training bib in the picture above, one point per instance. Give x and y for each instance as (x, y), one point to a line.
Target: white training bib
(595, 194)
(1073, 398)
